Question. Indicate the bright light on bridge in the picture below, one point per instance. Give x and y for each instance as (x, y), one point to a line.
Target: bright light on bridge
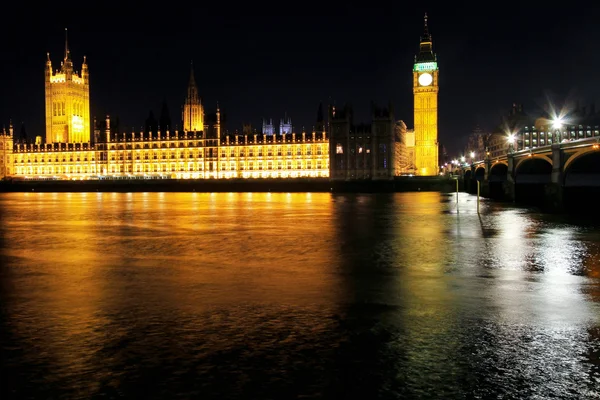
(557, 123)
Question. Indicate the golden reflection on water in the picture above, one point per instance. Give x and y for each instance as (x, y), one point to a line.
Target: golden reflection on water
(79, 258)
(432, 311)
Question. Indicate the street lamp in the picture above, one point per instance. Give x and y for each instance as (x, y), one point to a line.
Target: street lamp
(557, 125)
(472, 157)
(511, 143)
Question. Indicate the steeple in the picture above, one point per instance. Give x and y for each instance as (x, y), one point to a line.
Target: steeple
(426, 36)
(320, 127)
(193, 112)
(192, 80)
(320, 112)
(23, 134)
(151, 125)
(67, 52)
(425, 46)
(192, 92)
(67, 65)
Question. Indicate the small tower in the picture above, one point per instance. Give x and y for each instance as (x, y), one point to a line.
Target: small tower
(285, 126)
(193, 112)
(268, 128)
(218, 124)
(6, 152)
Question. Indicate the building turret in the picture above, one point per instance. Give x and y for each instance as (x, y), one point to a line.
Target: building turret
(84, 71)
(267, 128)
(6, 152)
(107, 129)
(285, 126)
(218, 124)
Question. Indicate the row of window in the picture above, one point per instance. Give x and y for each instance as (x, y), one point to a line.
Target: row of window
(572, 134)
(129, 146)
(145, 156)
(169, 168)
(339, 149)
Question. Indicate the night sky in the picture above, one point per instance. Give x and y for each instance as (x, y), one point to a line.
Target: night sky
(290, 59)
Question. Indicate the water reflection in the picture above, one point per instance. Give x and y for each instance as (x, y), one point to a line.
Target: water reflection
(280, 295)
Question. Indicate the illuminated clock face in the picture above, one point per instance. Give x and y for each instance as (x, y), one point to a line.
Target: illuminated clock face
(425, 79)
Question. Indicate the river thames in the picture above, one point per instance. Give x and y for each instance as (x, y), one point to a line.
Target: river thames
(299, 295)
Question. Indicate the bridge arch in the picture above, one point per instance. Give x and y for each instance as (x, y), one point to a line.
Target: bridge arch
(531, 176)
(531, 158)
(586, 151)
(583, 169)
(582, 182)
(499, 169)
(534, 165)
(533, 170)
(480, 173)
(496, 177)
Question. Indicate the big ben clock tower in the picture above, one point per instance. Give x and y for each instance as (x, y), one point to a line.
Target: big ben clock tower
(425, 90)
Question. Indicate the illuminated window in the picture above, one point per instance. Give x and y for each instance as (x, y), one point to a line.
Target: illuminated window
(339, 149)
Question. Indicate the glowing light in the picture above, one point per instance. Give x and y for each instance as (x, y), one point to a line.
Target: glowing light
(557, 123)
(426, 66)
(77, 124)
(511, 138)
(425, 79)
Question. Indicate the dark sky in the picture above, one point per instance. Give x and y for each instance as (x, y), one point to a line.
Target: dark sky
(287, 59)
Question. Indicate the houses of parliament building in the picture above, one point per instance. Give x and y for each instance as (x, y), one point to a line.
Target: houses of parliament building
(74, 147)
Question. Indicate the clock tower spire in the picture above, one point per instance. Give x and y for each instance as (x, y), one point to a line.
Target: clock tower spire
(425, 91)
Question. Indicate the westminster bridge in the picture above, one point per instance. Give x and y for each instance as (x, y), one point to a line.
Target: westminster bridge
(558, 177)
